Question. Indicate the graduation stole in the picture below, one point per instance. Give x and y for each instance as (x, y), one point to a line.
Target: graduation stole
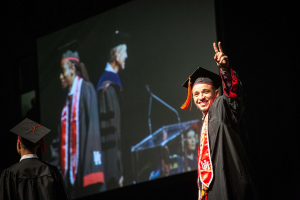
(205, 168)
(70, 146)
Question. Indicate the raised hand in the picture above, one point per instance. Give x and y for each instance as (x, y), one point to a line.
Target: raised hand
(220, 58)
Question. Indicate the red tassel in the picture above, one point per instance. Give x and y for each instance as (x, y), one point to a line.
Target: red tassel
(43, 145)
(188, 100)
(33, 129)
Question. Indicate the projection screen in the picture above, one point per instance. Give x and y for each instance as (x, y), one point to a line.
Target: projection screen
(110, 89)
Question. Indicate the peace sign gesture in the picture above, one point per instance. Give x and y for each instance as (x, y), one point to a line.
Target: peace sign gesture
(220, 57)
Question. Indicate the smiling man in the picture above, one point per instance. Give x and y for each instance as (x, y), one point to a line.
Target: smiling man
(223, 165)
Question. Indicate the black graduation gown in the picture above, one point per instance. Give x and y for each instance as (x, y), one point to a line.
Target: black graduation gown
(109, 109)
(32, 179)
(232, 174)
(89, 142)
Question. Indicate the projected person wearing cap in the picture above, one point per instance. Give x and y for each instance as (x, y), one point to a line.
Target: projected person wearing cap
(80, 146)
(31, 178)
(223, 166)
(108, 92)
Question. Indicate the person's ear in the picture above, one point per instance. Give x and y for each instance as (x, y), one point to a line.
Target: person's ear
(217, 93)
(38, 145)
(19, 145)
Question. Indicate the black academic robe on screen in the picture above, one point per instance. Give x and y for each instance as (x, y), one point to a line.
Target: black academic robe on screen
(32, 179)
(89, 143)
(108, 102)
(90, 140)
(232, 173)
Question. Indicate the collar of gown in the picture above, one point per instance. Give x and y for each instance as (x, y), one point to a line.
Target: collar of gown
(109, 68)
(28, 156)
(72, 91)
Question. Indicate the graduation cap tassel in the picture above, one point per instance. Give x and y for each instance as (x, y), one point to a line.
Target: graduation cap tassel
(43, 145)
(188, 100)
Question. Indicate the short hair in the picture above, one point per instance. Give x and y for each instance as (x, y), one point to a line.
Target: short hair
(114, 50)
(26, 144)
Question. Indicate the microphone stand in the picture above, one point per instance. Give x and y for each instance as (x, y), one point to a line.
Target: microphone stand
(161, 101)
(171, 108)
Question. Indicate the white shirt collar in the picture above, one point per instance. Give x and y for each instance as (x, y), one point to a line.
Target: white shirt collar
(109, 68)
(72, 91)
(29, 156)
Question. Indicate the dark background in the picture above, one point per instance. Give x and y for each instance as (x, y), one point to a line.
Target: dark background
(260, 40)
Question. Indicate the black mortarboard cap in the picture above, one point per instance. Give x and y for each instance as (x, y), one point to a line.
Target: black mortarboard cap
(69, 50)
(71, 55)
(30, 132)
(118, 37)
(201, 75)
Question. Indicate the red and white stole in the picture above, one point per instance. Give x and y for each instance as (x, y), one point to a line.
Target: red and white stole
(205, 168)
(70, 146)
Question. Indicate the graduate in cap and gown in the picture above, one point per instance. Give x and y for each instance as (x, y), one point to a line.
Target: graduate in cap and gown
(108, 93)
(224, 170)
(80, 153)
(31, 178)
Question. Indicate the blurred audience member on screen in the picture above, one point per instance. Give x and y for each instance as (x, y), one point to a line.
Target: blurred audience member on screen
(31, 178)
(79, 149)
(163, 169)
(108, 93)
(191, 158)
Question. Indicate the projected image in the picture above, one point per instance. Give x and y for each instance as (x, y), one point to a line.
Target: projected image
(191, 138)
(168, 151)
(110, 91)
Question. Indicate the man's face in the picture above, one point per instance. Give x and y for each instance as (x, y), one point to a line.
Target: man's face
(191, 140)
(204, 95)
(121, 56)
(66, 74)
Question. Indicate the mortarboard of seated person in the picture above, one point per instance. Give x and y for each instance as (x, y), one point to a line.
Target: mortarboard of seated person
(224, 171)
(31, 178)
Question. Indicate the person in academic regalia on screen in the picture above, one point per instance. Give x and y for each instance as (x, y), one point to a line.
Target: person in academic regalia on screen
(31, 178)
(80, 153)
(108, 93)
(224, 170)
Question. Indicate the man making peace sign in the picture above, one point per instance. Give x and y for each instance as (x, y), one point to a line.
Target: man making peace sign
(223, 166)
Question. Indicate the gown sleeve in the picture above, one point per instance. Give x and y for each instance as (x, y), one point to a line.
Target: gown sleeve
(8, 189)
(93, 166)
(110, 118)
(60, 188)
(231, 104)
